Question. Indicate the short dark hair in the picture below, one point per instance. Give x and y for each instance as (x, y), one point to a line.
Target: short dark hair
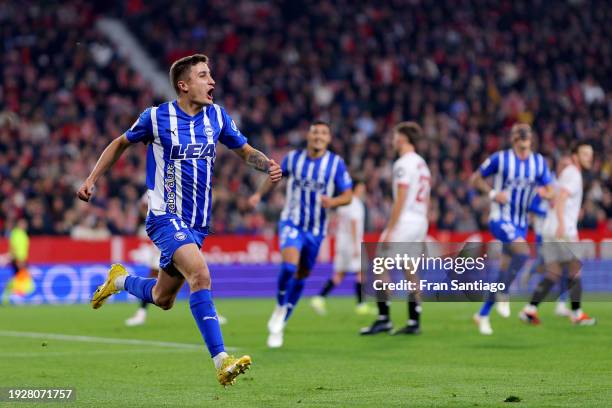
(358, 179)
(522, 130)
(183, 65)
(577, 144)
(321, 122)
(411, 130)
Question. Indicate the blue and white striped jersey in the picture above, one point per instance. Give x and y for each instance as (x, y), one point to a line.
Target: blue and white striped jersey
(519, 179)
(539, 207)
(308, 180)
(180, 157)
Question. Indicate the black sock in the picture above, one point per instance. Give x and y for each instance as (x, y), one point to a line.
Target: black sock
(143, 304)
(414, 309)
(541, 291)
(383, 310)
(329, 285)
(575, 291)
(358, 293)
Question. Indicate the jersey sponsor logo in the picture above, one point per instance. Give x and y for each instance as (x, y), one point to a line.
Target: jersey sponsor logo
(312, 185)
(180, 236)
(518, 183)
(191, 151)
(169, 181)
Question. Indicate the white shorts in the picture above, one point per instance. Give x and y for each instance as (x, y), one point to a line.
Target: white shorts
(554, 250)
(346, 261)
(414, 231)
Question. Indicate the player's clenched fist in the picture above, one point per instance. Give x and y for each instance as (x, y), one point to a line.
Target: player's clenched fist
(274, 171)
(86, 190)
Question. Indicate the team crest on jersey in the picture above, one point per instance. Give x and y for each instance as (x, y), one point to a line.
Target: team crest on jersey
(208, 130)
(180, 236)
(192, 151)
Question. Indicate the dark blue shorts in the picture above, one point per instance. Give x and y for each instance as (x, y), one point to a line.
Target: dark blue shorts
(168, 232)
(305, 242)
(506, 231)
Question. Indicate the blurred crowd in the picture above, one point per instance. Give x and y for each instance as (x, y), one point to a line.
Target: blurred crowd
(465, 70)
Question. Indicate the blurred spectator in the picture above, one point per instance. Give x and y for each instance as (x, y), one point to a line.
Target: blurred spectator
(466, 71)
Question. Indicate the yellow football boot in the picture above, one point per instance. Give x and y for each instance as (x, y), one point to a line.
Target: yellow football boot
(108, 288)
(231, 368)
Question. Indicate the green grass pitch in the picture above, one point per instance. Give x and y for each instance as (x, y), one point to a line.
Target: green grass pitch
(323, 363)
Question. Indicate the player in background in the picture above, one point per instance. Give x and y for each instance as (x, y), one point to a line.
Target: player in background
(181, 136)
(560, 233)
(21, 284)
(408, 221)
(518, 173)
(317, 181)
(347, 259)
(538, 209)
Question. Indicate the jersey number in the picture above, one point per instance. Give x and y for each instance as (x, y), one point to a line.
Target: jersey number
(424, 187)
(173, 221)
(288, 233)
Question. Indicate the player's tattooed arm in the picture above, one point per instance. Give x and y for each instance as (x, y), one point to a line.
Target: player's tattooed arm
(260, 161)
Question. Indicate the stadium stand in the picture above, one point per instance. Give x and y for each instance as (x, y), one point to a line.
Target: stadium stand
(466, 71)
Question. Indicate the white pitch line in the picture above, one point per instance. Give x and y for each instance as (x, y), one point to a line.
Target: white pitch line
(104, 340)
(46, 353)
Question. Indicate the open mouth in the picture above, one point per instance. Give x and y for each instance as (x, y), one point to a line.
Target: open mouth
(210, 93)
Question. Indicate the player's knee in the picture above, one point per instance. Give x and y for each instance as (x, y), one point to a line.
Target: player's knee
(199, 280)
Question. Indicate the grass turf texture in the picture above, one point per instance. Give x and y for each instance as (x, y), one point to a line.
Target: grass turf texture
(324, 361)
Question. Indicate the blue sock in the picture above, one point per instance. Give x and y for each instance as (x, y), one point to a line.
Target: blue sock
(516, 264)
(286, 273)
(486, 308)
(142, 288)
(204, 313)
(296, 287)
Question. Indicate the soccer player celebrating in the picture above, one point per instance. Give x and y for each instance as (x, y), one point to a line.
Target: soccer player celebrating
(317, 181)
(559, 231)
(181, 136)
(408, 221)
(347, 258)
(517, 174)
